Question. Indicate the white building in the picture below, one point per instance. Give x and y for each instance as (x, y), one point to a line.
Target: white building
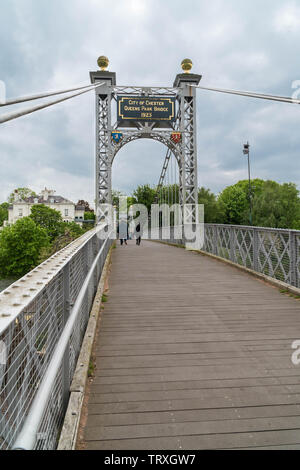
(22, 207)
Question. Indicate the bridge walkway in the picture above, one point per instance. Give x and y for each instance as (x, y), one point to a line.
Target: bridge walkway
(192, 354)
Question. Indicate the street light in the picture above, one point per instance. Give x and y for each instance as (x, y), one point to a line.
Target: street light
(246, 151)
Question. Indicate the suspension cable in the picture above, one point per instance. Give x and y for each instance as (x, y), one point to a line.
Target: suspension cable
(251, 94)
(22, 99)
(23, 112)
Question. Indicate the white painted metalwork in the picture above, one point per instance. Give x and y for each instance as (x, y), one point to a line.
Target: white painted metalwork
(270, 251)
(185, 151)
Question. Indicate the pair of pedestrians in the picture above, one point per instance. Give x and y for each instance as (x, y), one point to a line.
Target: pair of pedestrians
(123, 233)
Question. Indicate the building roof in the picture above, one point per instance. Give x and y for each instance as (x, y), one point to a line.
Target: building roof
(40, 200)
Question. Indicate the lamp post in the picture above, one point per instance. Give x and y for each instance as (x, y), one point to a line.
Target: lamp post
(246, 151)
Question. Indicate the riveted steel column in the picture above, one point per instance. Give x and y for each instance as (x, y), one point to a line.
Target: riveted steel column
(187, 126)
(103, 139)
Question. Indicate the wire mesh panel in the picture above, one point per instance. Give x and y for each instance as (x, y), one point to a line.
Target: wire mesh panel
(273, 252)
(30, 340)
(33, 315)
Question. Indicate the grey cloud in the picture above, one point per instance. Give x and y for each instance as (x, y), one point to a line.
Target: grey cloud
(250, 45)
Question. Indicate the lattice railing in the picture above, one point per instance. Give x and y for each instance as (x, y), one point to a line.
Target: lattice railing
(273, 252)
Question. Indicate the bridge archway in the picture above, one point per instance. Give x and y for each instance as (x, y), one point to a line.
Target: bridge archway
(140, 161)
(177, 134)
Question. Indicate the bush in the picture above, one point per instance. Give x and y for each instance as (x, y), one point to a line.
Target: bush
(49, 219)
(20, 247)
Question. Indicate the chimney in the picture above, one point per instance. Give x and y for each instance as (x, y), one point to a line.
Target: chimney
(16, 196)
(45, 194)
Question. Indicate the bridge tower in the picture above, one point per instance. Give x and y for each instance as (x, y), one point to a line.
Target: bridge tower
(116, 127)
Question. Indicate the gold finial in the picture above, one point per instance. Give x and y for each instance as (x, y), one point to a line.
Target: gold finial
(103, 62)
(186, 65)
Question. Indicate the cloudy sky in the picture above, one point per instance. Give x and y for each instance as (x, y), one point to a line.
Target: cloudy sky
(246, 45)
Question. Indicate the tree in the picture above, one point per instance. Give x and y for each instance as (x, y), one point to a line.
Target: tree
(168, 194)
(89, 216)
(115, 195)
(277, 206)
(49, 219)
(3, 212)
(234, 201)
(144, 194)
(22, 192)
(20, 247)
(85, 204)
(213, 211)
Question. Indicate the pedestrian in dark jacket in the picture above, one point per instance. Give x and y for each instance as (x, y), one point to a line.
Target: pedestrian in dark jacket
(138, 234)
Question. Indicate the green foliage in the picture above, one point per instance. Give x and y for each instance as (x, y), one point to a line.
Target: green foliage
(3, 212)
(169, 194)
(20, 247)
(69, 231)
(213, 209)
(144, 194)
(89, 216)
(72, 229)
(50, 219)
(115, 197)
(234, 201)
(22, 192)
(277, 206)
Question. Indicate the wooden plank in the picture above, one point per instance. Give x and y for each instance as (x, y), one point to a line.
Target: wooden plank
(216, 441)
(192, 354)
(181, 416)
(138, 431)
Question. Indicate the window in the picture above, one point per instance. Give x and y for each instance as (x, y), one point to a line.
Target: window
(20, 212)
(66, 212)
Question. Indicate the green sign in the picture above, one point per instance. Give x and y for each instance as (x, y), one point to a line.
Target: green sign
(145, 108)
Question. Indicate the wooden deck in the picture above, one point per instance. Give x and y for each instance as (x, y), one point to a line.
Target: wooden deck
(192, 354)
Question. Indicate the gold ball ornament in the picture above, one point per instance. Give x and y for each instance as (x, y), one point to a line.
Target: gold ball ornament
(186, 65)
(103, 62)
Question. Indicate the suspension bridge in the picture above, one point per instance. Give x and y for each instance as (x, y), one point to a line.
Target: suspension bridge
(192, 349)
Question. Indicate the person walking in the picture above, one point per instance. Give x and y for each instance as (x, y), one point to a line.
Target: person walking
(123, 231)
(138, 234)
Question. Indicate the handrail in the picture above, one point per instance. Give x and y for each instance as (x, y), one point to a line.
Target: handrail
(27, 438)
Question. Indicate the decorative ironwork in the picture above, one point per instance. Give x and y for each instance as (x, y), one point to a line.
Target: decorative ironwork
(273, 252)
(178, 136)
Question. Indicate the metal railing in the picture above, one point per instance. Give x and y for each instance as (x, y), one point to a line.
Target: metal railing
(270, 251)
(43, 317)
